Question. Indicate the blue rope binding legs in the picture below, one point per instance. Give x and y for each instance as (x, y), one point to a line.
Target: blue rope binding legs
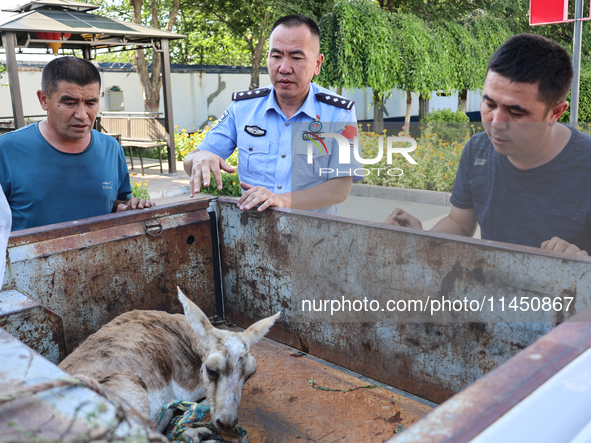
(191, 418)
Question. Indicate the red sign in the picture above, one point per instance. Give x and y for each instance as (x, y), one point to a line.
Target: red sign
(543, 12)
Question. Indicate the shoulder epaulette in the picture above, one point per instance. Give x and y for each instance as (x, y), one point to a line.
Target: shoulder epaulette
(339, 102)
(243, 95)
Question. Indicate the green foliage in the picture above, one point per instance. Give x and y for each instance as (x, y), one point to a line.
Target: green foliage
(420, 46)
(140, 189)
(584, 100)
(425, 64)
(311, 8)
(488, 33)
(445, 115)
(443, 54)
(447, 124)
(365, 46)
(413, 37)
(359, 44)
(122, 10)
(208, 42)
(2, 69)
(218, 32)
(464, 55)
(185, 143)
(447, 10)
(230, 180)
(115, 57)
(437, 162)
(330, 74)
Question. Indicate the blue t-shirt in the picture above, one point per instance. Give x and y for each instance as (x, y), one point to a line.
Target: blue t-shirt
(45, 186)
(527, 207)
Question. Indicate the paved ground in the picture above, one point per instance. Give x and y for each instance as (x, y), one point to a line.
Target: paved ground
(168, 189)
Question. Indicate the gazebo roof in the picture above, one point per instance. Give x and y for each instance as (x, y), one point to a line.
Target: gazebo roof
(68, 25)
(62, 4)
(86, 29)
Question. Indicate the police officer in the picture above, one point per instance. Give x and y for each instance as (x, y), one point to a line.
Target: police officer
(260, 122)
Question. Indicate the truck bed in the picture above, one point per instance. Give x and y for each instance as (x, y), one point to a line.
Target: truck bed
(76, 276)
(279, 404)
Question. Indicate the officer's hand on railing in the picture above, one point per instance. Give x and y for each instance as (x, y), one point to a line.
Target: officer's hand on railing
(259, 195)
(200, 164)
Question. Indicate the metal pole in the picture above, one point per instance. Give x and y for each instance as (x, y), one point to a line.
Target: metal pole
(167, 91)
(574, 94)
(9, 43)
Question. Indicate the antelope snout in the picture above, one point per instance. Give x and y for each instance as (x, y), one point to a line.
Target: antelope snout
(226, 421)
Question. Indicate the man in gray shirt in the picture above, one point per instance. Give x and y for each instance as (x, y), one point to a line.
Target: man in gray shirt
(527, 180)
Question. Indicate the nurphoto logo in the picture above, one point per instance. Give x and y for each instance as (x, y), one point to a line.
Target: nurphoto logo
(345, 149)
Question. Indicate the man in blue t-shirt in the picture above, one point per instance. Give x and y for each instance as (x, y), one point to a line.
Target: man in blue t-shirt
(60, 169)
(528, 179)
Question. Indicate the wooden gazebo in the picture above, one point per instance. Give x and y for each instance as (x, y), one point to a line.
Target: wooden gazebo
(68, 24)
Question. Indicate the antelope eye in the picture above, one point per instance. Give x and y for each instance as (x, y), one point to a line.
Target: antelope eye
(212, 374)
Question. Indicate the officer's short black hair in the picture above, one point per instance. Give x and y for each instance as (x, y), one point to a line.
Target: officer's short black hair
(68, 69)
(531, 58)
(291, 21)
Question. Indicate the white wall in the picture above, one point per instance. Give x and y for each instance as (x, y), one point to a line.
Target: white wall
(196, 96)
(395, 106)
(30, 82)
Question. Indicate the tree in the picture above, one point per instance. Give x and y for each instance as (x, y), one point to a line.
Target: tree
(478, 38)
(2, 69)
(251, 21)
(208, 42)
(427, 63)
(442, 74)
(469, 32)
(151, 82)
(473, 41)
(247, 20)
(160, 14)
(365, 46)
(434, 45)
(444, 10)
(359, 44)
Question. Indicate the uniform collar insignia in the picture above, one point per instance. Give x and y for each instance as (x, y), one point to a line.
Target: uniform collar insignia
(243, 95)
(333, 100)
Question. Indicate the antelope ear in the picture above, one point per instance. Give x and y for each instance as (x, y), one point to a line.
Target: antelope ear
(258, 330)
(195, 316)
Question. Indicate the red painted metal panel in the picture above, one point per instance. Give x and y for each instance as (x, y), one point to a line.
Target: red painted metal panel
(542, 12)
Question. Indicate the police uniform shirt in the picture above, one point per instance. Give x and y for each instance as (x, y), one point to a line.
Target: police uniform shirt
(255, 124)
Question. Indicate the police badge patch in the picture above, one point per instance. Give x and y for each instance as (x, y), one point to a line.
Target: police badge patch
(255, 131)
(315, 126)
(223, 117)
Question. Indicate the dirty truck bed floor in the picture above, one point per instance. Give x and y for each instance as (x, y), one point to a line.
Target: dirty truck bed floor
(279, 405)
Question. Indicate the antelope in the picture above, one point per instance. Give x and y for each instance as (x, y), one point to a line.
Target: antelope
(146, 359)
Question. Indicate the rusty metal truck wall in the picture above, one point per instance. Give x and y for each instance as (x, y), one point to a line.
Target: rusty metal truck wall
(91, 271)
(263, 252)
